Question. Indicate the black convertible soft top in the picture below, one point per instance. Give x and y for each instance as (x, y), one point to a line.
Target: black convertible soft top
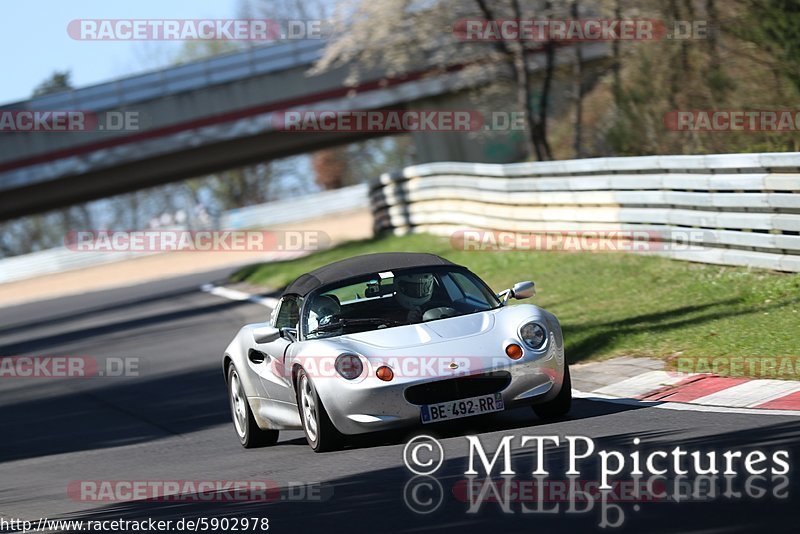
(360, 266)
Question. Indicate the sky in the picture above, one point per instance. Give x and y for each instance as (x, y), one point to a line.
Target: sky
(35, 42)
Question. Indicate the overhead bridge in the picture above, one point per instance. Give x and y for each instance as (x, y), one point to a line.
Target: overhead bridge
(196, 119)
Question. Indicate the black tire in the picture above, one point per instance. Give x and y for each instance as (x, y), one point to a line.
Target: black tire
(247, 430)
(561, 404)
(325, 437)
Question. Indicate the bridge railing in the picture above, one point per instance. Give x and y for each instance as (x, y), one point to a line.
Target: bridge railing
(198, 74)
(736, 209)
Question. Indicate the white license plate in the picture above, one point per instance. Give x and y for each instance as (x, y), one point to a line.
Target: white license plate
(444, 411)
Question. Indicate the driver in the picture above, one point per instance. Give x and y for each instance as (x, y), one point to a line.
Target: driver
(324, 309)
(413, 291)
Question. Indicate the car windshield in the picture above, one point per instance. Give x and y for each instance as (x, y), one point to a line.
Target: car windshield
(394, 298)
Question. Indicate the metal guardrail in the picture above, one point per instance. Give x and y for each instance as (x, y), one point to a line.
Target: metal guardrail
(55, 260)
(195, 75)
(745, 208)
(62, 259)
(297, 209)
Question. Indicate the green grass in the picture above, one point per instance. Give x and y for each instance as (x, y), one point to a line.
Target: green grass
(613, 304)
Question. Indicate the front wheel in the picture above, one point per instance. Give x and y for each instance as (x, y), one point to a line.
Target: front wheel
(320, 433)
(561, 404)
(250, 435)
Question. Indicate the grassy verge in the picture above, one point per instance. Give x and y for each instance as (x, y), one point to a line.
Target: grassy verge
(617, 304)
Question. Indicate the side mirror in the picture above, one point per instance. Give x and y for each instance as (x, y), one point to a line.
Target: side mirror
(289, 333)
(266, 334)
(523, 290)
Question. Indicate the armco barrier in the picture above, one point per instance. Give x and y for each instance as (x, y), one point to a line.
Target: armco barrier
(55, 260)
(746, 207)
(311, 206)
(297, 209)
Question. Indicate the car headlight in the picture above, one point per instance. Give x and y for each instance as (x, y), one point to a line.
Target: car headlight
(533, 335)
(349, 366)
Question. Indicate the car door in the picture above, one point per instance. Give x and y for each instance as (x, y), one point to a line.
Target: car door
(274, 376)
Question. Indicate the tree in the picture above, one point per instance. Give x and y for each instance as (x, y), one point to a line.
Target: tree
(774, 26)
(41, 231)
(330, 168)
(745, 60)
(578, 88)
(285, 9)
(358, 162)
(57, 82)
(412, 34)
(517, 54)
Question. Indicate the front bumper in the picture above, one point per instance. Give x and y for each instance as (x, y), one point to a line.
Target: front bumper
(371, 405)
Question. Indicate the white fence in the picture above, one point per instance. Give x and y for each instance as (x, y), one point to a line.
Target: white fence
(739, 209)
(264, 215)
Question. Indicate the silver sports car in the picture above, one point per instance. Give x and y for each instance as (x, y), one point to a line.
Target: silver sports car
(388, 340)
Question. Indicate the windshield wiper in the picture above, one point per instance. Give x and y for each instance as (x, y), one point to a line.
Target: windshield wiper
(342, 323)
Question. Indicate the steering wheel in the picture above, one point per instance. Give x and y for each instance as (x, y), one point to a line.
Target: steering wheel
(439, 312)
(418, 314)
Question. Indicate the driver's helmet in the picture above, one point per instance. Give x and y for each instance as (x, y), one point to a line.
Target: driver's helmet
(323, 309)
(414, 290)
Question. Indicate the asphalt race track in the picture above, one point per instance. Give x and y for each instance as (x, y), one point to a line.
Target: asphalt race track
(172, 422)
